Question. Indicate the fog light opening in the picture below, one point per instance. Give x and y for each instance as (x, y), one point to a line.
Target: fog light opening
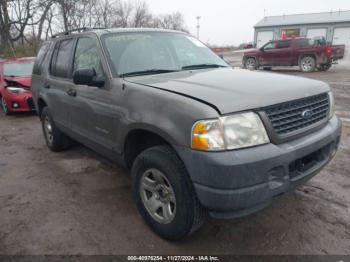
(15, 105)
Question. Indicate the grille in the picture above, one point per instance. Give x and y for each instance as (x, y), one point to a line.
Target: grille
(291, 116)
(30, 103)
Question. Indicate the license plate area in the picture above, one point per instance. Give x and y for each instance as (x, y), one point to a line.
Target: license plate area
(304, 164)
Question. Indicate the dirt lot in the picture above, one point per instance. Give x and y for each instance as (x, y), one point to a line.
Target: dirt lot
(78, 203)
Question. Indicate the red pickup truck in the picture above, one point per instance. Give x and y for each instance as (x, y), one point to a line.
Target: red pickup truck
(308, 54)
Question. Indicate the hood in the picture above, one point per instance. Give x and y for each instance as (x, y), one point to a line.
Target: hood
(251, 51)
(25, 81)
(231, 90)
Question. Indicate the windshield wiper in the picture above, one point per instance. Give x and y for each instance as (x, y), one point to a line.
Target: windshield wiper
(202, 66)
(148, 72)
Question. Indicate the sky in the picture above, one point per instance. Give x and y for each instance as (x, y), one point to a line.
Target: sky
(229, 22)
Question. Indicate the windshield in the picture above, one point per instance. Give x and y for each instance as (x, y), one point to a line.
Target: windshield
(157, 52)
(18, 69)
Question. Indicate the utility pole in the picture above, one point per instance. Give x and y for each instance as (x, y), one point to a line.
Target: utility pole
(90, 22)
(198, 26)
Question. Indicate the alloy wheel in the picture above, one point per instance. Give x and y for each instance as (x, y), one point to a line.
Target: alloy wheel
(307, 64)
(48, 130)
(250, 64)
(158, 196)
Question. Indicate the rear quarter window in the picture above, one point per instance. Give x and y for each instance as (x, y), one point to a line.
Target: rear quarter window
(40, 58)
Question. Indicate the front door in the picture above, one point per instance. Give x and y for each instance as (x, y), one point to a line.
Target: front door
(277, 53)
(267, 55)
(91, 112)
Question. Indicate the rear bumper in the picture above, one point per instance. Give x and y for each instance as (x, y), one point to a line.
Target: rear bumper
(237, 183)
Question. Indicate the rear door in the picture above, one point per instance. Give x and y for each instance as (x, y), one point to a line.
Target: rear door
(92, 107)
(60, 81)
(283, 53)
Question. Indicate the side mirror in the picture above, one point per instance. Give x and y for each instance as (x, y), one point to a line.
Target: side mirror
(87, 77)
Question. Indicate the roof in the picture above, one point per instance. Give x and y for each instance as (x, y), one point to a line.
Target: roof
(313, 18)
(101, 31)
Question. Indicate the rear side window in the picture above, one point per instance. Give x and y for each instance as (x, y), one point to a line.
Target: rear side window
(283, 44)
(61, 60)
(40, 58)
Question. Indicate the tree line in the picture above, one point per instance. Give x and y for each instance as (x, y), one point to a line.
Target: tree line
(24, 24)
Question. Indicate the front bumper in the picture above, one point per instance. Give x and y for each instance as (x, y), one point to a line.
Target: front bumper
(24, 102)
(237, 183)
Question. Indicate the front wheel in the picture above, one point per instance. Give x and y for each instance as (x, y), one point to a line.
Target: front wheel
(4, 106)
(250, 63)
(164, 194)
(307, 64)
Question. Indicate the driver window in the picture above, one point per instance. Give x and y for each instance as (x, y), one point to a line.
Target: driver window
(271, 45)
(87, 56)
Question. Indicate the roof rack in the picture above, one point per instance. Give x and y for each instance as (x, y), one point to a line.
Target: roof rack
(81, 29)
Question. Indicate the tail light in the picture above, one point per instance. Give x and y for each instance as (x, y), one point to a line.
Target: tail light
(328, 52)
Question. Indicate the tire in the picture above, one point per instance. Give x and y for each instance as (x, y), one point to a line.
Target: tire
(4, 107)
(154, 171)
(56, 141)
(325, 67)
(250, 63)
(307, 64)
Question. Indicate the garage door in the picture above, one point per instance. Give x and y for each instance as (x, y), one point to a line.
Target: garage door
(317, 32)
(342, 36)
(263, 38)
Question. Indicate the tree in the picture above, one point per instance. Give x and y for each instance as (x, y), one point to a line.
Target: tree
(26, 23)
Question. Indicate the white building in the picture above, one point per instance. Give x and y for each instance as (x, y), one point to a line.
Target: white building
(334, 26)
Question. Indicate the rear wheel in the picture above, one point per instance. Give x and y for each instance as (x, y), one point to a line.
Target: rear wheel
(4, 106)
(250, 63)
(56, 141)
(164, 194)
(307, 64)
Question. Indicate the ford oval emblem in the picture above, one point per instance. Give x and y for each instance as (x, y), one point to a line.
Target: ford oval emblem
(306, 114)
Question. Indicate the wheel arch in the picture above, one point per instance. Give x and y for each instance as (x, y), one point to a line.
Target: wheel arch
(301, 56)
(41, 103)
(141, 138)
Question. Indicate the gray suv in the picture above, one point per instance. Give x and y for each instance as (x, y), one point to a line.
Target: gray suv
(199, 137)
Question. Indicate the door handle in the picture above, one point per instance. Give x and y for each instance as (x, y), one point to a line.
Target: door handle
(47, 87)
(72, 92)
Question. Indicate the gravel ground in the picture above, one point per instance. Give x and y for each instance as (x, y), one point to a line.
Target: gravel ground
(76, 202)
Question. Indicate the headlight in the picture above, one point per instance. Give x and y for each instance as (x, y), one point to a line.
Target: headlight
(331, 104)
(16, 90)
(229, 132)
